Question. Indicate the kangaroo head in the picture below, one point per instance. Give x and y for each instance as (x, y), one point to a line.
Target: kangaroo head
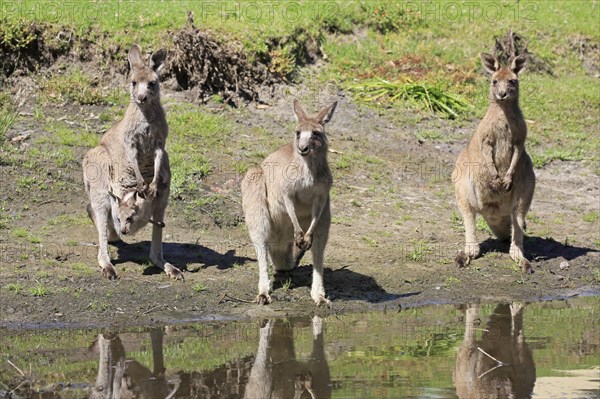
(144, 82)
(504, 85)
(129, 210)
(310, 131)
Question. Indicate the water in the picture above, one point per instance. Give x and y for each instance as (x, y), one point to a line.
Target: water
(540, 350)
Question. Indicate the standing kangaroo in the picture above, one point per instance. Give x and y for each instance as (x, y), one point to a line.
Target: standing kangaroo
(131, 162)
(494, 175)
(286, 203)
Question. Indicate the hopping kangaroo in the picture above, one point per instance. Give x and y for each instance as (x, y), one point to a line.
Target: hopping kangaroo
(494, 175)
(286, 203)
(127, 177)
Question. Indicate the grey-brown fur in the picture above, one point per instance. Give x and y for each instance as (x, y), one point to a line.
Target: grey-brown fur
(494, 175)
(286, 203)
(132, 157)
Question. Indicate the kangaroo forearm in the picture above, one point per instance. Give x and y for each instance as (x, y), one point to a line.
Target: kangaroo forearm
(133, 161)
(518, 150)
(488, 159)
(158, 160)
(317, 210)
(291, 210)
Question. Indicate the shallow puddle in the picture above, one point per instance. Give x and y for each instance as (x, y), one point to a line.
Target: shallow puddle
(541, 350)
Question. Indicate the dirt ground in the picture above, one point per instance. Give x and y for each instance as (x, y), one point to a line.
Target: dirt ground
(394, 235)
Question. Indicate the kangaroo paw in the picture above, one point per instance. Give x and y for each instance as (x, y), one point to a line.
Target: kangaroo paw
(322, 301)
(526, 267)
(173, 272)
(263, 299)
(110, 272)
(462, 259)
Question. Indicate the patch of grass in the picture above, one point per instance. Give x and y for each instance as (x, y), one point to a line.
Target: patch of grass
(14, 287)
(76, 86)
(64, 135)
(39, 290)
(20, 232)
(370, 242)
(4, 216)
(69, 220)
(386, 17)
(590, 217)
(188, 127)
(422, 94)
(482, 225)
(456, 221)
(8, 115)
(82, 268)
(419, 249)
(26, 181)
(199, 287)
(427, 135)
(450, 280)
(287, 285)
(342, 162)
(341, 220)
(15, 34)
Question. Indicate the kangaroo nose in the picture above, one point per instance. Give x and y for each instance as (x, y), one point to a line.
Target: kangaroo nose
(124, 231)
(142, 98)
(303, 150)
(502, 95)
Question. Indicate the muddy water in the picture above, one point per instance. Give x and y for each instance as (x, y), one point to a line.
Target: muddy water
(541, 350)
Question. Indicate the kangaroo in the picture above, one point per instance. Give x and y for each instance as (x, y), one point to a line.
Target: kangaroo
(494, 175)
(286, 203)
(500, 364)
(132, 157)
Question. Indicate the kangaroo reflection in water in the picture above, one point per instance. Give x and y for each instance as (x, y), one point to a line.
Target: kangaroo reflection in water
(277, 373)
(500, 364)
(122, 378)
(273, 373)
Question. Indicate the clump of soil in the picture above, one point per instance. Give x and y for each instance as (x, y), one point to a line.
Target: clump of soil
(588, 52)
(25, 46)
(213, 67)
(513, 44)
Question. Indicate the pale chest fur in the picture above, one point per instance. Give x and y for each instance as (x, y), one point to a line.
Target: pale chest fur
(504, 132)
(308, 185)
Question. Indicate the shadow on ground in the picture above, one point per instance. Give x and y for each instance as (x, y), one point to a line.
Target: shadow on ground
(179, 254)
(341, 283)
(538, 248)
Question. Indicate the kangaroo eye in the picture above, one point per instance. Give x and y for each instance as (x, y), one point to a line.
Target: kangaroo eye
(494, 82)
(129, 219)
(316, 133)
(512, 82)
(134, 83)
(150, 85)
(297, 133)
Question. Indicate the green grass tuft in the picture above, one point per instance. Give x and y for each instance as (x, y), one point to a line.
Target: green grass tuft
(425, 95)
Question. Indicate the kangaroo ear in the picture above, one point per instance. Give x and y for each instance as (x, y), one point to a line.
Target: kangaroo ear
(135, 58)
(326, 113)
(298, 111)
(113, 196)
(157, 60)
(517, 63)
(490, 63)
(129, 197)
